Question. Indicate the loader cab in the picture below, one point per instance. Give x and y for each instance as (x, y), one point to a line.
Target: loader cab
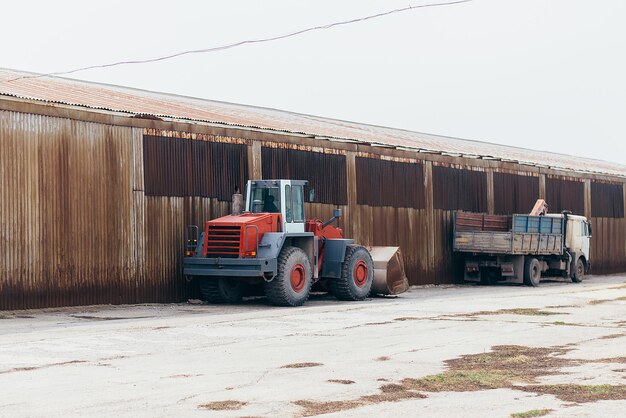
(278, 196)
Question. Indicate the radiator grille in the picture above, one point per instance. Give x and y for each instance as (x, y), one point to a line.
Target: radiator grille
(223, 241)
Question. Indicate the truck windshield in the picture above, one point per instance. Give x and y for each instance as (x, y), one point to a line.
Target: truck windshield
(265, 199)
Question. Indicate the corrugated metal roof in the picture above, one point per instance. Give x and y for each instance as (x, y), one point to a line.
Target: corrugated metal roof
(140, 102)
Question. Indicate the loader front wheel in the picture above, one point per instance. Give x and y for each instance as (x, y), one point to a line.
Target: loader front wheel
(357, 275)
(221, 290)
(292, 284)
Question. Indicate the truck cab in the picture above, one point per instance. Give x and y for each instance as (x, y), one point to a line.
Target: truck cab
(279, 196)
(578, 233)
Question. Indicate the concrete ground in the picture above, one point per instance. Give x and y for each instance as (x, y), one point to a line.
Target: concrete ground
(256, 360)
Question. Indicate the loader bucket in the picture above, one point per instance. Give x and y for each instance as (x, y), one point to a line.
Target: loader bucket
(389, 275)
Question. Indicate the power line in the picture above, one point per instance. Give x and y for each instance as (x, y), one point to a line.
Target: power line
(241, 43)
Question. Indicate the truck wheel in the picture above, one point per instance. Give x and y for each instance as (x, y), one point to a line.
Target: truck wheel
(532, 272)
(579, 272)
(221, 290)
(292, 284)
(357, 275)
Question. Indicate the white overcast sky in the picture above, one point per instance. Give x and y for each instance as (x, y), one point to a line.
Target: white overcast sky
(542, 74)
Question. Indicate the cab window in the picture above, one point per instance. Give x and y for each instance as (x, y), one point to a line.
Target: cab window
(288, 205)
(297, 203)
(265, 200)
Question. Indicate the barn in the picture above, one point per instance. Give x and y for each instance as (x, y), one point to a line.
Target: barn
(98, 183)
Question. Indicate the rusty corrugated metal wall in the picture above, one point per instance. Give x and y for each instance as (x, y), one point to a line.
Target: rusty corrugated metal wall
(390, 209)
(609, 227)
(96, 213)
(65, 212)
(514, 193)
(565, 194)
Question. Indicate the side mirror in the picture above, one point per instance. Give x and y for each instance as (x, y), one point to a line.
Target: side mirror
(337, 213)
(590, 230)
(312, 195)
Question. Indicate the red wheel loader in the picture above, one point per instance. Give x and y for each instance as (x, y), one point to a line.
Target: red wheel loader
(273, 243)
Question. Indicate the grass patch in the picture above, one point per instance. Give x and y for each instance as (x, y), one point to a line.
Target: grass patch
(518, 311)
(600, 301)
(530, 312)
(462, 381)
(580, 393)
(505, 367)
(341, 381)
(510, 366)
(611, 336)
(387, 393)
(532, 413)
(406, 318)
(223, 405)
(300, 365)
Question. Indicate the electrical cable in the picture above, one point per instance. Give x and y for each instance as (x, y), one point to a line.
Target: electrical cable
(240, 43)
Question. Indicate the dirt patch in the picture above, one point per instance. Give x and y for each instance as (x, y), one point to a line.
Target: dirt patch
(516, 367)
(388, 393)
(108, 318)
(532, 413)
(223, 405)
(580, 393)
(114, 357)
(565, 323)
(341, 381)
(611, 336)
(600, 301)
(383, 358)
(300, 365)
(407, 318)
(521, 311)
(617, 360)
(43, 366)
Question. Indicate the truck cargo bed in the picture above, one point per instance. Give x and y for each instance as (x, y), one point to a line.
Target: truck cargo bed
(481, 233)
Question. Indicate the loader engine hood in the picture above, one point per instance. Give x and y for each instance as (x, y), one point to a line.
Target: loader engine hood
(234, 236)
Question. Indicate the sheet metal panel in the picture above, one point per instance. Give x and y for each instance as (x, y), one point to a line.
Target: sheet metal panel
(607, 200)
(185, 167)
(514, 193)
(565, 194)
(138, 102)
(325, 172)
(459, 189)
(608, 245)
(389, 183)
(65, 212)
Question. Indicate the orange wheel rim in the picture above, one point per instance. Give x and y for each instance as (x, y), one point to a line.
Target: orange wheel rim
(298, 278)
(361, 272)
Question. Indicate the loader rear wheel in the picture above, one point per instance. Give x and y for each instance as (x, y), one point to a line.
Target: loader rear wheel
(292, 284)
(357, 275)
(221, 290)
(532, 272)
(579, 273)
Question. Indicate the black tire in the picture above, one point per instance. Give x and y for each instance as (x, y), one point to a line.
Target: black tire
(221, 290)
(292, 284)
(578, 274)
(357, 275)
(532, 272)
